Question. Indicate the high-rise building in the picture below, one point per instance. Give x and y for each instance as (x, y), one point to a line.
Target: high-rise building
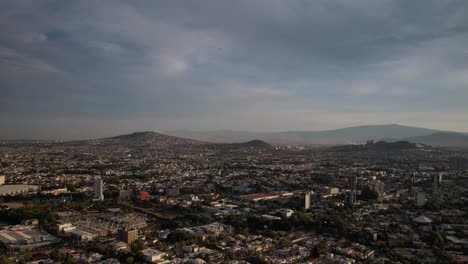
(420, 199)
(127, 235)
(436, 182)
(2, 180)
(458, 163)
(307, 200)
(99, 190)
(378, 187)
(350, 198)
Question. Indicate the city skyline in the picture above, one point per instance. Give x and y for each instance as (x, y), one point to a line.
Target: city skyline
(94, 69)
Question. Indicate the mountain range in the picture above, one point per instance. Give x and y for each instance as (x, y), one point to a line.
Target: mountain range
(343, 136)
(262, 140)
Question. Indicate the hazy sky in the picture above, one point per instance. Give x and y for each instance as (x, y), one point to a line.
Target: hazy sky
(85, 69)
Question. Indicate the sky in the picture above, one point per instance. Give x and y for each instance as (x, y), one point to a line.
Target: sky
(90, 69)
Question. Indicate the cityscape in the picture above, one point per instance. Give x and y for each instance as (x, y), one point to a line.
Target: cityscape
(148, 197)
(234, 132)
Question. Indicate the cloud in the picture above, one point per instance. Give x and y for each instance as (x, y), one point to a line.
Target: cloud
(11, 60)
(173, 65)
(365, 88)
(107, 47)
(218, 64)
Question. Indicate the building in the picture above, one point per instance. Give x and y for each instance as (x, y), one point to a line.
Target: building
(11, 190)
(99, 190)
(256, 197)
(330, 191)
(2, 179)
(350, 198)
(172, 192)
(28, 222)
(378, 187)
(307, 200)
(82, 235)
(65, 227)
(126, 194)
(152, 255)
(436, 182)
(420, 199)
(25, 238)
(127, 235)
(142, 195)
(458, 163)
(285, 213)
(55, 191)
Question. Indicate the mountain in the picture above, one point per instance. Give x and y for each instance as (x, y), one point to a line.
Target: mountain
(381, 146)
(350, 135)
(139, 139)
(218, 136)
(445, 139)
(256, 144)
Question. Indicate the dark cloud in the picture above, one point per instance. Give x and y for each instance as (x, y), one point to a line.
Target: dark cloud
(254, 65)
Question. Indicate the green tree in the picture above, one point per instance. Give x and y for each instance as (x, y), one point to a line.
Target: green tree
(26, 258)
(320, 249)
(5, 260)
(129, 260)
(56, 255)
(69, 259)
(181, 236)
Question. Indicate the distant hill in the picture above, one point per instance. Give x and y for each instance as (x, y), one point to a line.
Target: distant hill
(25, 142)
(445, 139)
(140, 139)
(257, 144)
(351, 135)
(381, 146)
(219, 136)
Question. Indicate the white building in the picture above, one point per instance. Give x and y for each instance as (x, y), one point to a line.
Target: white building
(307, 200)
(420, 199)
(12, 190)
(285, 213)
(152, 255)
(99, 190)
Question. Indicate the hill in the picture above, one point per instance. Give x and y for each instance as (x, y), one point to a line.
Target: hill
(381, 146)
(350, 135)
(442, 139)
(257, 144)
(139, 139)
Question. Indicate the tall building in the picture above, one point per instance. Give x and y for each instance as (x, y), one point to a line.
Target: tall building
(127, 235)
(378, 187)
(350, 198)
(99, 190)
(2, 180)
(307, 200)
(436, 181)
(458, 163)
(420, 199)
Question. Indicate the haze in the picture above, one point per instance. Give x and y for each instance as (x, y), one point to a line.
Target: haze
(89, 69)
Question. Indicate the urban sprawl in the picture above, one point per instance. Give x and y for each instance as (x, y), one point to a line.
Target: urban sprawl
(150, 198)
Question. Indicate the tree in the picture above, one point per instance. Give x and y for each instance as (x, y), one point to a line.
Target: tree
(129, 260)
(5, 260)
(320, 249)
(181, 236)
(26, 258)
(69, 259)
(437, 240)
(56, 255)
